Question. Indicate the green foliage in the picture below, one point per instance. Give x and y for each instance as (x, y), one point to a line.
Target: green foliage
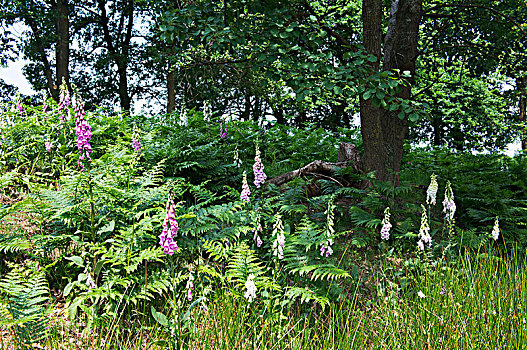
(22, 305)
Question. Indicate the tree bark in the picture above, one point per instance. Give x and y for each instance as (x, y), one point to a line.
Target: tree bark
(521, 86)
(62, 48)
(382, 131)
(53, 90)
(370, 117)
(400, 53)
(171, 87)
(120, 58)
(348, 156)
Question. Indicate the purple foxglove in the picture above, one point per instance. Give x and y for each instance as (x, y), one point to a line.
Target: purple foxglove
(258, 169)
(90, 283)
(136, 142)
(386, 225)
(83, 131)
(257, 231)
(246, 192)
(48, 145)
(170, 229)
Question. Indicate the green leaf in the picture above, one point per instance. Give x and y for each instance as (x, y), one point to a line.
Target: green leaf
(401, 115)
(77, 260)
(413, 117)
(337, 90)
(159, 317)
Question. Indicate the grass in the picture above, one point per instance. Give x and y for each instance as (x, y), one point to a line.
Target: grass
(475, 302)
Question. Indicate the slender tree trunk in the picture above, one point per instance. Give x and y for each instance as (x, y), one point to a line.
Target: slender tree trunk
(119, 58)
(371, 131)
(400, 53)
(53, 89)
(171, 87)
(246, 114)
(521, 86)
(62, 48)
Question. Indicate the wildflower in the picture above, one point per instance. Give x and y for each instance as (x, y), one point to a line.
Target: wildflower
(325, 249)
(224, 134)
(257, 231)
(183, 117)
(207, 111)
(20, 107)
(190, 286)
(90, 283)
(250, 287)
(424, 231)
(386, 225)
(421, 295)
(82, 129)
(258, 169)
(279, 242)
(244, 196)
(170, 229)
(64, 98)
(48, 145)
(449, 207)
(431, 193)
(136, 142)
(495, 230)
(44, 106)
(237, 160)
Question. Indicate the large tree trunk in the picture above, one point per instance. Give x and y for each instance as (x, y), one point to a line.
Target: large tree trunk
(370, 117)
(382, 131)
(62, 48)
(400, 52)
(521, 86)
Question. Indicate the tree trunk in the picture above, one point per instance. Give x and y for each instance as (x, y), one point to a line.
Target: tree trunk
(400, 52)
(62, 48)
(370, 117)
(382, 131)
(521, 86)
(53, 89)
(171, 87)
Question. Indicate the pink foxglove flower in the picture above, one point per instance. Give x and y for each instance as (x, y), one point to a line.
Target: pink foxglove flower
(224, 134)
(170, 229)
(136, 142)
(246, 192)
(257, 231)
(48, 145)
(44, 106)
(90, 283)
(190, 286)
(83, 131)
(258, 169)
(386, 225)
(250, 288)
